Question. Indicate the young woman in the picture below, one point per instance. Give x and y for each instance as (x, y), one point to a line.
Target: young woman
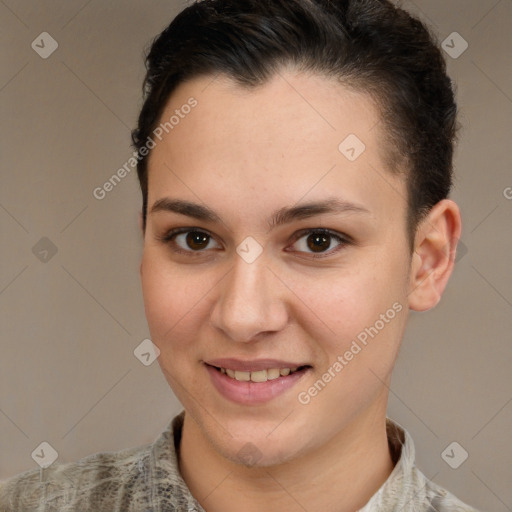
(295, 161)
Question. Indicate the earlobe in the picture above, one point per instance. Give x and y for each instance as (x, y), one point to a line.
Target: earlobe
(434, 256)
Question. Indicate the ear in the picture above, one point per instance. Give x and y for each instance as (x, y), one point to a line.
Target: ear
(434, 255)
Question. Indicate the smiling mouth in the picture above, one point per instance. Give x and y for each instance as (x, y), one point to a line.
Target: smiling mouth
(259, 375)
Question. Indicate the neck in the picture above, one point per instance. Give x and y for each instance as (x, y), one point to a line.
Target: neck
(340, 476)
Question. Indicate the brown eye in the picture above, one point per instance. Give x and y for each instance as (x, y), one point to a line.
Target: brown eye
(191, 241)
(196, 240)
(318, 242)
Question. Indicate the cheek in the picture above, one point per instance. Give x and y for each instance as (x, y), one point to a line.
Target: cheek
(345, 302)
(172, 297)
(359, 319)
(358, 313)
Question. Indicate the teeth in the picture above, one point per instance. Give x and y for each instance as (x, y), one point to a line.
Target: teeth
(260, 375)
(272, 374)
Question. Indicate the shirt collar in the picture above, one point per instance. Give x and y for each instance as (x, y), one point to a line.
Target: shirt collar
(400, 489)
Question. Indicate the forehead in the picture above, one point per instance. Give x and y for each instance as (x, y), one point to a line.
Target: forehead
(295, 136)
(303, 111)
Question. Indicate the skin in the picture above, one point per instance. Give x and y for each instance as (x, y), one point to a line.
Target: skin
(245, 154)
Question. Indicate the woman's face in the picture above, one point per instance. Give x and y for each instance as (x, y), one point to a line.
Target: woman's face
(255, 286)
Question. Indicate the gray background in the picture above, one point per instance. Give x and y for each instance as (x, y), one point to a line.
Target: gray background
(70, 321)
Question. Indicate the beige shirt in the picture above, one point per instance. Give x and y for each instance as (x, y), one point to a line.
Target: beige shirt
(147, 479)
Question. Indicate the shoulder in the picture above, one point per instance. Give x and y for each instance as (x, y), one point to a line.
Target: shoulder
(80, 485)
(407, 488)
(442, 500)
(136, 479)
(99, 479)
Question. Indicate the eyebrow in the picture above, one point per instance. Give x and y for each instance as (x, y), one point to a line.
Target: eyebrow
(280, 217)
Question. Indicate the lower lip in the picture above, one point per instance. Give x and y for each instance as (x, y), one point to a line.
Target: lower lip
(250, 393)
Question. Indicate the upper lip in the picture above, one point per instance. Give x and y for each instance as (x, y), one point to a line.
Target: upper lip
(252, 366)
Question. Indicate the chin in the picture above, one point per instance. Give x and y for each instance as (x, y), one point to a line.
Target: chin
(262, 447)
(255, 456)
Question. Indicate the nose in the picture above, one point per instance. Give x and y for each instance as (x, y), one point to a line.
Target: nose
(250, 302)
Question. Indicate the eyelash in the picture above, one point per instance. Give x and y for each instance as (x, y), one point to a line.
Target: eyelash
(344, 240)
